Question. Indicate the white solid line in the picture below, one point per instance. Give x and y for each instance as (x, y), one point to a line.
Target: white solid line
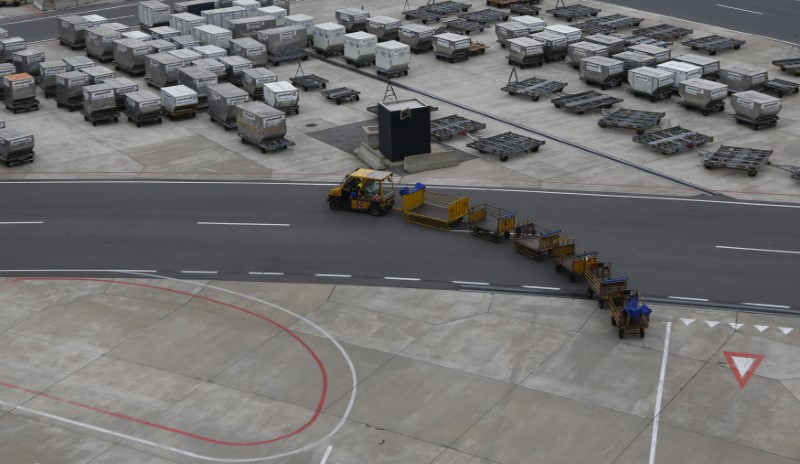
(333, 275)
(266, 273)
(534, 287)
(659, 394)
(763, 305)
(241, 224)
(759, 249)
(22, 222)
(79, 270)
(740, 9)
(413, 279)
(687, 298)
(464, 282)
(327, 453)
(199, 272)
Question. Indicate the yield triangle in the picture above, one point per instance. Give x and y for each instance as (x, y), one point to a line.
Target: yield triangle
(743, 365)
(761, 328)
(712, 323)
(687, 321)
(786, 330)
(735, 325)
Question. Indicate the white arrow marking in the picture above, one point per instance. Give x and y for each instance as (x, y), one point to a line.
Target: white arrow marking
(761, 328)
(687, 321)
(712, 323)
(786, 330)
(734, 325)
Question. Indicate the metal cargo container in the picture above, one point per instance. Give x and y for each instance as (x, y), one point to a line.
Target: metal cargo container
(95, 20)
(220, 17)
(259, 123)
(249, 27)
(329, 37)
(275, 12)
(579, 50)
(211, 51)
(352, 19)
(75, 63)
(198, 79)
(98, 74)
(69, 88)
(449, 44)
(359, 46)
(522, 49)
(555, 45)
(709, 65)
(137, 35)
(615, 44)
(153, 13)
(142, 105)
(509, 30)
(650, 80)
(635, 60)
(16, 146)
(533, 23)
(9, 45)
(571, 34)
(188, 56)
(602, 70)
(701, 93)
(121, 87)
(129, 54)
(161, 69)
(7, 69)
(302, 20)
(755, 105)
(392, 56)
(222, 101)
(212, 35)
(415, 35)
(100, 42)
(661, 54)
(164, 32)
(285, 4)
(195, 7)
(72, 30)
(98, 98)
(185, 41)
(283, 39)
(743, 77)
(185, 22)
(3, 33)
(18, 88)
(47, 73)
(234, 65)
(281, 94)
(162, 46)
(213, 65)
(250, 6)
(251, 49)
(682, 71)
(383, 27)
(179, 98)
(27, 61)
(253, 81)
(119, 27)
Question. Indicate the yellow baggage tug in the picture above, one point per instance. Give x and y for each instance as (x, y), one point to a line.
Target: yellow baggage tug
(364, 190)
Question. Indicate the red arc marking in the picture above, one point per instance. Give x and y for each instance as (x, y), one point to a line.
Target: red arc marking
(742, 378)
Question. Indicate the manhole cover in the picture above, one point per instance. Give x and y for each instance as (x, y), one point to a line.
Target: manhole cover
(311, 124)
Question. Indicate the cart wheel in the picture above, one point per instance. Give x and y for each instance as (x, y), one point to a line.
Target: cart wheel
(375, 209)
(558, 269)
(535, 98)
(589, 293)
(338, 102)
(324, 86)
(704, 112)
(357, 98)
(263, 150)
(572, 277)
(694, 48)
(504, 158)
(512, 93)
(621, 334)
(495, 239)
(779, 93)
(712, 52)
(641, 333)
(752, 173)
(535, 149)
(116, 119)
(138, 124)
(507, 235)
(707, 166)
(639, 131)
(736, 47)
(130, 119)
(405, 73)
(159, 120)
(796, 90)
(94, 123)
(652, 99)
(601, 303)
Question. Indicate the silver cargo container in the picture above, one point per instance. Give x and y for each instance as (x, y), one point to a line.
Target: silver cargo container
(220, 16)
(755, 105)
(329, 37)
(211, 51)
(19, 87)
(196, 6)
(27, 61)
(16, 145)
(533, 23)
(250, 6)
(7, 69)
(100, 42)
(649, 81)
(222, 101)
(709, 64)
(509, 30)
(275, 12)
(352, 18)
(615, 44)
(213, 65)
(285, 4)
(701, 92)
(661, 54)
(9, 45)
(162, 46)
(142, 105)
(743, 77)
(72, 30)
(281, 94)
(523, 49)
(601, 70)
(579, 50)
(95, 20)
(129, 54)
(283, 39)
(98, 74)
(164, 32)
(185, 22)
(415, 35)
(383, 27)
(75, 63)
(359, 46)
(119, 27)
(682, 71)
(188, 56)
(449, 44)
(249, 27)
(69, 86)
(251, 49)
(97, 98)
(185, 41)
(234, 65)
(179, 98)
(212, 35)
(569, 33)
(3, 33)
(121, 86)
(253, 81)
(553, 43)
(302, 20)
(198, 79)
(635, 60)
(392, 56)
(47, 72)
(138, 35)
(153, 13)
(259, 122)
(161, 69)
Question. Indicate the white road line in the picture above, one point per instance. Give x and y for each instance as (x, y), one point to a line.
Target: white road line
(199, 272)
(686, 298)
(464, 282)
(739, 9)
(659, 394)
(765, 250)
(764, 305)
(327, 453)
(79, 270)
(534, 287)
(333, 275)
(241, 224)
(411, 279)
(266, 273)
(21, 222)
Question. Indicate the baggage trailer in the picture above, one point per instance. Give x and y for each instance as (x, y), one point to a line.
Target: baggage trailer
(276, 59)
(448, 126)
(629, 313)
(616, 21)
(569, 257)
(743, 159)
(491, 223)
(631, 39)
(665, 32)
(446, 7)
(781, 87)
(341, 95)
(310, 81)
(424, 16)
(582, 102)
(791, 65)
(794, 171)
(713, 43)
(637, 120)
(673, 140)
(600, 282)
(432, 209)
(462, 26)
(533, 241)
(533, 87)
(525, 9)
(485, 17)
(269, 145)
(505, 145)
(591, 28)
(572, 12)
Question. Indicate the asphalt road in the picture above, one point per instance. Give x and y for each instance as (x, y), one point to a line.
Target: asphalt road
(667, 247)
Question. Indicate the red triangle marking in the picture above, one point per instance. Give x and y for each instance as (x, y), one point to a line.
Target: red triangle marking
(743, 377)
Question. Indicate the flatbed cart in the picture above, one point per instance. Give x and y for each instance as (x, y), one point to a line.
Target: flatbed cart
(781, 87)
(491, 223)
(271, 145)
(572, 12)
(101, 58)
(665, 32)
(582, 102)
(533, 241)
(392, 72)
(744, 159)
(329, 52)
(485, 17)
(432, 209)
(133, 71)
(462, 26)
(601, 284)
(713, 106)
(448, 126)
(424, 16)
(533, 87)
(26, 104)
(421, 47)
(227, 125)
(144, 119)
(793, 170)
(505, 145)
(341, 95)
(72, 104)
(276, 59)
(791, 65)
(637, 120)
(757, 124)
(713, 43)
(19, 158)
(616, 21)
(591, 28)
(530, 60)
(629, 313)
(72, 46)
(310, 81)
(523, 9)
(446, 7)
(569, 257)
(664, 93)
(673, 140)
(631, 39)
(106, 115)
(364, 61)
(180, 113)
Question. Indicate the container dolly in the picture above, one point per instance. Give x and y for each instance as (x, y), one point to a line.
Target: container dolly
(106, 115)
(525, 9)
(590, 27)
(781, 87)
(462, 26)
(277, 58)
(490, 222)
(446, 7)
(484, 17)
(307, 81)
(640, 40)
(72, 104)
(713, 106)
(757, 124)
(616, 21)
(432, 209)
(26, 104)
(505, 145)
(182, 113)
(139, 120)
(664, 93)
(610, 81)
(368, 61)
(637, 120)
(789, 65)
(743, 159)
(448, 126)
(270, 145)
(582, 102)
(673, 140)
(461, 55)
(101, 58)
(793, 170)
(569, 257)
(572, 12)
(629, 313)
(665, 32)
(533, 241)
(19, 158)
(424, 16)
(341, 95)
(72, 46)
(133, 71)
(392, 72)
(421, 47)
(598, 278)
(533, 87)
(713, 43)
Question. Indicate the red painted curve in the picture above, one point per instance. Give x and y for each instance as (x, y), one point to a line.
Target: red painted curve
(154, 425)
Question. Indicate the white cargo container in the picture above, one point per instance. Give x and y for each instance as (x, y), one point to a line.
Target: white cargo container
(250, 27)
(615, 44)
(136, 35)
(276, 12)
(185, 41)
(96, 20)
(682, 71)
(661, 54)
(179, 98)
(360, 46)
(186, 55)
(162, 46)
(213, 35)
(185, 22)
(701, 93)
(153, 13)
(281, 94)
(449, 44)
(329, 38)
(9, 45)
(709, 64)
(164, 32)
(524, 51)
(392, 57)
(303, 20)
(220, 16)
(533, 23)
(509, 30)
(569, 33)
(211, 51)
(353, 19)
(253, 81)
(417, 36)
(650, 81)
